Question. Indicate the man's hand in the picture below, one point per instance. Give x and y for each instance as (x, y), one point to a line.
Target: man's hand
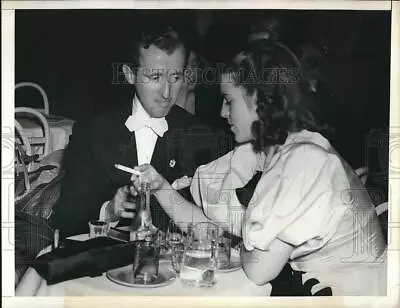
(123, 203)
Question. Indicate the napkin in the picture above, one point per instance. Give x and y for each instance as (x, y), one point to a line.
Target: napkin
(83, 258)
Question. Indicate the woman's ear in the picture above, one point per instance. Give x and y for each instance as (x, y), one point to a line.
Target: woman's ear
(129, 74)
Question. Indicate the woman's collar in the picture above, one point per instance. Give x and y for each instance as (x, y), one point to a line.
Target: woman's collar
(306, 136)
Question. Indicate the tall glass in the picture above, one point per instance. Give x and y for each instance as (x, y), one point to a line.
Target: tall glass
(178, 233)
(199, 258)
(177, 252)
(176, 241)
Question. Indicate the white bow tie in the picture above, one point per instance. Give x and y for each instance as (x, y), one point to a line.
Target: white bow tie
(158, 125)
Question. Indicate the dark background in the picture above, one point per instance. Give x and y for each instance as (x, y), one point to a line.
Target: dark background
(70, 54)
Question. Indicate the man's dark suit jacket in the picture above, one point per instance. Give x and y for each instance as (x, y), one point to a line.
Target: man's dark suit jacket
(100, 143)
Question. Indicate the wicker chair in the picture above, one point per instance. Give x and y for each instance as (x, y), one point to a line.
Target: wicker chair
(28, 142)
(45, 108)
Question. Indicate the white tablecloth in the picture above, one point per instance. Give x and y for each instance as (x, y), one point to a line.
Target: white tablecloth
(60, 130)
(228, 284)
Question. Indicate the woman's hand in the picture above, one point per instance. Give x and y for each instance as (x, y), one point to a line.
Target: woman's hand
(150, 175)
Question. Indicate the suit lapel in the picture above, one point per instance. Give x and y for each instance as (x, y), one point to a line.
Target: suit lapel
(159, 155)
(127, 152)
(167, 153)
(166, 158)
(120, 147)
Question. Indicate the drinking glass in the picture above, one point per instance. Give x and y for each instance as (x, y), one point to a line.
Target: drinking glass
(174, 234)
(223, 253)
(146, 259)
(163, 242)
(98, 228)
(199, 257)
(177, 252)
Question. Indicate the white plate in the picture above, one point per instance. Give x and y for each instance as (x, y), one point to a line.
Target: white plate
(124, 276)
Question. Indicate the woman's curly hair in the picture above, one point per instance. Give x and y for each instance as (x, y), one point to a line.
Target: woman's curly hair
(274, 73)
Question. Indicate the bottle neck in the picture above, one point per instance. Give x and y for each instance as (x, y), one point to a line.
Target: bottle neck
(144, 194)
(142, 221)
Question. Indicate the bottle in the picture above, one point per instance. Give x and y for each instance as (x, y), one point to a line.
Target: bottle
(142, 224)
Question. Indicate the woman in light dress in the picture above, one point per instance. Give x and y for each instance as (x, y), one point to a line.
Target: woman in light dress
(309, 208)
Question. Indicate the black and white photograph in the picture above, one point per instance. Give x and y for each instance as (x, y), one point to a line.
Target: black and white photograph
(218, 152)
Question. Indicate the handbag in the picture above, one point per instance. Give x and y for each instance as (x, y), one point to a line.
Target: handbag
(83, 258)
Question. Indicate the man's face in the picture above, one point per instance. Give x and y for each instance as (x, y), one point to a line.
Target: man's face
(158, 79)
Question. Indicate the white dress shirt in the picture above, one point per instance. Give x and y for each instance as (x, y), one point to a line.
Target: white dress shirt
(144, 128)
(145, 136)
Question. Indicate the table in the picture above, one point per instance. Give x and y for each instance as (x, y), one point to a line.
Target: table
(229, 284)
(60, 130)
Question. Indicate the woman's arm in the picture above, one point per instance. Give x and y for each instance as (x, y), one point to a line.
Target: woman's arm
(183, 211)
(177, 207)
(262, 266)
(173, 203)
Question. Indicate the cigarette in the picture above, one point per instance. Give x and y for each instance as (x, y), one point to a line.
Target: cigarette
(127, 169)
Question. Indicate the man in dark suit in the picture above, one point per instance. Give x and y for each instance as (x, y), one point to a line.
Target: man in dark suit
(148, 129)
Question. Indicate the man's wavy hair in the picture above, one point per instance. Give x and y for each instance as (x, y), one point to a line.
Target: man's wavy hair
(163, 31)
(274, 73)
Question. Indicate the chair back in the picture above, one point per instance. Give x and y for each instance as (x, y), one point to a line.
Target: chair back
(28, 142)
(45, 108)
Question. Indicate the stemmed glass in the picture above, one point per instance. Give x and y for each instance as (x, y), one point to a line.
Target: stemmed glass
(174, 234)
(176, 241)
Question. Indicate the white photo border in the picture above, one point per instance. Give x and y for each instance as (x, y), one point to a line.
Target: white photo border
(8, 60)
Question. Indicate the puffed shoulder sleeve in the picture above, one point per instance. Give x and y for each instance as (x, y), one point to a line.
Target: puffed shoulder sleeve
(297, 200)
(213, 185)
